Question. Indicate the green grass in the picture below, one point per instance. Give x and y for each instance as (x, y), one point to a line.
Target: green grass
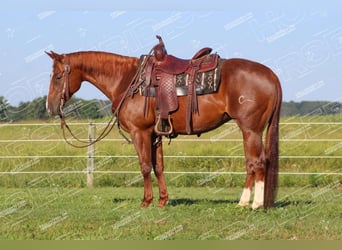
(192, 213)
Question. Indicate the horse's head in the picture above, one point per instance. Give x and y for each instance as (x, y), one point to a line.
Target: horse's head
(64, 81)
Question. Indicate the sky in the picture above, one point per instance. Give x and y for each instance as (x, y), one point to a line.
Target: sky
(301, 41)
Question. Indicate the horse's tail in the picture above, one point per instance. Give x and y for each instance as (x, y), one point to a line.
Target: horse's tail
(272, 151)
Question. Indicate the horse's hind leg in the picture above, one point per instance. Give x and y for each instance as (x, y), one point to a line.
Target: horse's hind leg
(255, 166)
(158, 167)
(246, 194)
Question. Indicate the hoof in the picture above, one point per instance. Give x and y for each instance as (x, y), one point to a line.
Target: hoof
(163, 202)
(145, 204)
(243, 204)
(257, 205)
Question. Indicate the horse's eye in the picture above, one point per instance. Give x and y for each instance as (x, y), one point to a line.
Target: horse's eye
(58, 77)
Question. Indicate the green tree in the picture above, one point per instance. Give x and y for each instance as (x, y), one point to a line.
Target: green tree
(289, 109)
(4, 105)
(36, 109)
(87, 109)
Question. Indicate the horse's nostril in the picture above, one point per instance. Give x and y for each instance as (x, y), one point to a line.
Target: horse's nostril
(50, 109)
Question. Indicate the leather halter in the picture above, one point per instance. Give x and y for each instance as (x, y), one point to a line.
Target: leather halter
(65, 94)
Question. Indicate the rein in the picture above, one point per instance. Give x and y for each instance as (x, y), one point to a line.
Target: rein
(103, 134)
(132, 87)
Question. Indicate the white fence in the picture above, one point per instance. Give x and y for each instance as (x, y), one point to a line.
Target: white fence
(90, 170)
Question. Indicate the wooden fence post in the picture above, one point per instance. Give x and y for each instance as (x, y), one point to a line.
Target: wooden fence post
(91, 154)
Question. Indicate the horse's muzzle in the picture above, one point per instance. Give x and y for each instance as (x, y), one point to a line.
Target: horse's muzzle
(52, 109)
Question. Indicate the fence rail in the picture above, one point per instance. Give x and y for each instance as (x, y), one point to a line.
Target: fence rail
(166, 172)
(175, 140)
(90, 156)
(104, 123)
(169, 156)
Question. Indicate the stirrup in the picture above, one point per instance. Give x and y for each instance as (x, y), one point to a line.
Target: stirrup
(163, 132)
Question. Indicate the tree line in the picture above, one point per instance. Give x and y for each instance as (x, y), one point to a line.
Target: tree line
(95, 109)
(307, 108)
(76, 108)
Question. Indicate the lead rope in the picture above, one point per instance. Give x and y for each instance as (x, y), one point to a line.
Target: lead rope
(103, 134)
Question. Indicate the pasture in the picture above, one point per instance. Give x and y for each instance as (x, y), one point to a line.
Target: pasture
(192, 213)
(44, 194)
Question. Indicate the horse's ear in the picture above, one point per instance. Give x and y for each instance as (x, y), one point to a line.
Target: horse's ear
(54, 55)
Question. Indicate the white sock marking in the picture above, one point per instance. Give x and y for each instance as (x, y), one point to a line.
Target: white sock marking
(258, 195)
(245, 197)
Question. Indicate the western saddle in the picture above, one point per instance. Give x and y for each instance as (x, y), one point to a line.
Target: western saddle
(160, 70)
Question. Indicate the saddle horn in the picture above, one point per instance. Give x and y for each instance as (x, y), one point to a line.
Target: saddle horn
(159, 50)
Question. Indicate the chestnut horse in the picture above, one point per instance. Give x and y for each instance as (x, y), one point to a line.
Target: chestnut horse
(249, 92)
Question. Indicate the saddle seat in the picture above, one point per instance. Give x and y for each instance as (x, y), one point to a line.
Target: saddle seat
(174, 65)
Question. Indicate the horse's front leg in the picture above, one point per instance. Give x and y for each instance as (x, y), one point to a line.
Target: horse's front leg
(143, 145)
(158, 167)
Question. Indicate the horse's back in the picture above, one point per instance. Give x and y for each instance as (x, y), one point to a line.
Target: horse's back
(248, 70)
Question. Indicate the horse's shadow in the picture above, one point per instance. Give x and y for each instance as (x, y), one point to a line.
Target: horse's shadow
(286, 203)
(184, 201)
(278, 204)
(190, 202)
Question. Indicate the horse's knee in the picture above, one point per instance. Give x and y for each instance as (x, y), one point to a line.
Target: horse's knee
(146, 169)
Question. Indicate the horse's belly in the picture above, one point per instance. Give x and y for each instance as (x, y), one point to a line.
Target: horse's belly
(200, 123)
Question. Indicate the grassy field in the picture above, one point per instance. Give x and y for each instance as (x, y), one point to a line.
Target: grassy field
(192, 213)
(202, 206)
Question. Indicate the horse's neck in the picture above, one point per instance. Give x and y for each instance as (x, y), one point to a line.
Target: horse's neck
(110, 73)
